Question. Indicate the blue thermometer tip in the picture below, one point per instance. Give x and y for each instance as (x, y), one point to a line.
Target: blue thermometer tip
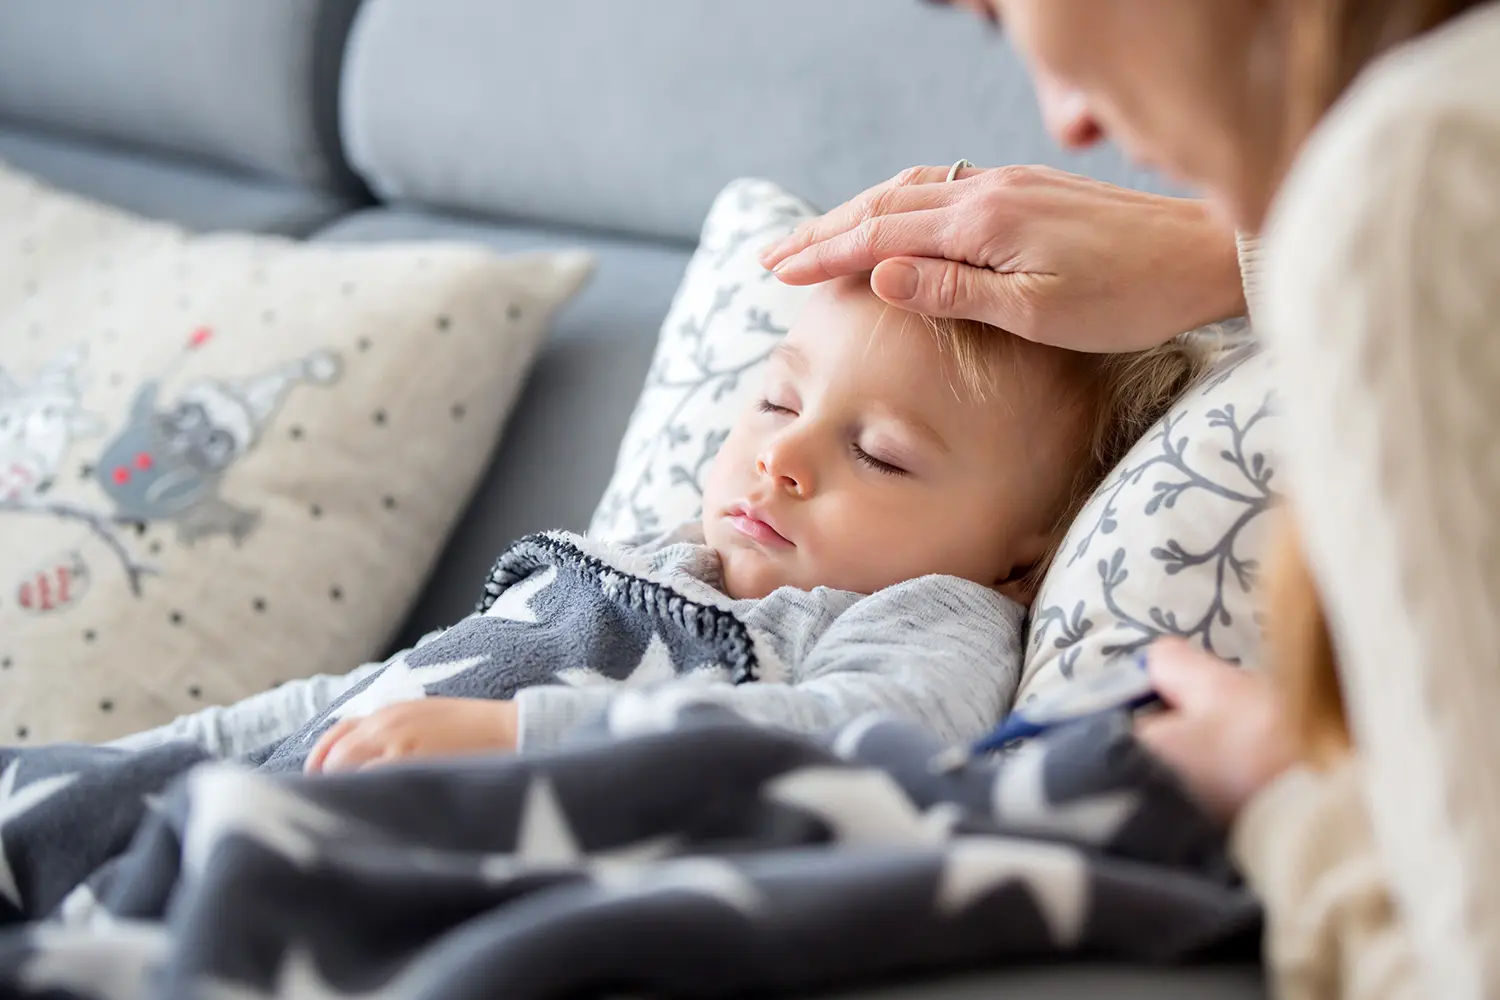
(1122, 684)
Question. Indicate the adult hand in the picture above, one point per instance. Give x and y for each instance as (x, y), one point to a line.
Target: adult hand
(428, 727)
(1050, 256)
(1222, 729)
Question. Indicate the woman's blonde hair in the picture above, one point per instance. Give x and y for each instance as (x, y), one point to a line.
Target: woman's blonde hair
(1115, 398)
(1332, 41)
(1301, 651)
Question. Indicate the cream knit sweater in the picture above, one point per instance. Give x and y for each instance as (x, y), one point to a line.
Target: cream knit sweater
(1380, 294)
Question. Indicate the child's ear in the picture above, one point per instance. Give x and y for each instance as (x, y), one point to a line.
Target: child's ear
(1023, 581)
(1021, 589)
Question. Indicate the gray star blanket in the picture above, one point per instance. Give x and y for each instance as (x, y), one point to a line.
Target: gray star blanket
(672, 853)
(551, 613)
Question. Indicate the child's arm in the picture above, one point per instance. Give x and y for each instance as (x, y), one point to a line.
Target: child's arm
(938, 651)
(234, 730)
(251, 723)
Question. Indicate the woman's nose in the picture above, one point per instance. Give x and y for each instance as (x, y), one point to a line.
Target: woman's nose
(1066, 114)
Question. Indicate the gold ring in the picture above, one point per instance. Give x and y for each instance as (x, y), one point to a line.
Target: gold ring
(953, 170)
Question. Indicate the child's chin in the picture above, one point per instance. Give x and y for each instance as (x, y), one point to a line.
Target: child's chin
(750, 575)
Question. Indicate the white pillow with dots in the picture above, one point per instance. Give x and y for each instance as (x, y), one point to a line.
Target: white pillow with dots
(225, 460)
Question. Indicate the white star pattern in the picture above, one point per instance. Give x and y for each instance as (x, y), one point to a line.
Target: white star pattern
(118, 960)
(655, 667)
(15, 803)
(545, 840)
(861, 807)
(544, 835)
(703, 876)
(1055, 876)
(81, 908)
(228, 801)
(846, 743)
(300, 979)
(514, 604)
(398, 682)
(1020, 800)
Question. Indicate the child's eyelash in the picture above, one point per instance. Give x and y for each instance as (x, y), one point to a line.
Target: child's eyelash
(860, 455)
(885, 468)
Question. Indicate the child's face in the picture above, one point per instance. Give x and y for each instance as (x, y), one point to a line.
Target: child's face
(865, 464)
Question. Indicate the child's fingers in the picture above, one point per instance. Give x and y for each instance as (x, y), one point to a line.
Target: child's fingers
(318, 759)
(383, 758)
(350, 753)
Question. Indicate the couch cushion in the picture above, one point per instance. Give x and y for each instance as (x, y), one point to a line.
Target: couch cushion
(560, 445)
(633, 116)
(250, 85)
(198, 197)
(229, 460)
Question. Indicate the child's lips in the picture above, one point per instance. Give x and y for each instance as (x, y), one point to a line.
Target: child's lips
(755, 525)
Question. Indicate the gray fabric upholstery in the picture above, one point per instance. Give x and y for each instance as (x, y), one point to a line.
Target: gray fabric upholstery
(631, 116)
(249, 85)
(559, 446)
(1079, 983)
(195, 196)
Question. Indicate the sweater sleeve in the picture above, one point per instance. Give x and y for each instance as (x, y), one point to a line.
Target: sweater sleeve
(1381, 300)
(229, 731)
(940, 652)
(1331, 930)
(1248, 248)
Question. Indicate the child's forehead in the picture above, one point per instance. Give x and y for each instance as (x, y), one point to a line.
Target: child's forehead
(845, 324)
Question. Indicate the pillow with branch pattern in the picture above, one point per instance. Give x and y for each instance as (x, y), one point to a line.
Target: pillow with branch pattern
(727, 317)
(1170, 543)
(1167, 546)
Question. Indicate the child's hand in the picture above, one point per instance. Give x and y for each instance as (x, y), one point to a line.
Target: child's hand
(1222, 731)
(430, 727)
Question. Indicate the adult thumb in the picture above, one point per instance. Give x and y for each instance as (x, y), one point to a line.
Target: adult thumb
(944, 288)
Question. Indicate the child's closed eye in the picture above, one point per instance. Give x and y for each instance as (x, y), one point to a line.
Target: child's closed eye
(878, 464)
(766, 406)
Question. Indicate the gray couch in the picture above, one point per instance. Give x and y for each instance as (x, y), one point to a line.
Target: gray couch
(528, 124)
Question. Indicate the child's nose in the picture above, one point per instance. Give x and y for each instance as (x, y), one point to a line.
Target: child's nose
(791, 475)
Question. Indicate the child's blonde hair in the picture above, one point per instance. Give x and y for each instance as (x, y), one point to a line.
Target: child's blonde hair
(1115, 398)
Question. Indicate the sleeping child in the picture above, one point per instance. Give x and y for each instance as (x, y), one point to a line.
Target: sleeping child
(873, 530)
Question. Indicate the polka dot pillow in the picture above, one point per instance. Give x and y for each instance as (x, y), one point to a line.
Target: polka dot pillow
(227, 461)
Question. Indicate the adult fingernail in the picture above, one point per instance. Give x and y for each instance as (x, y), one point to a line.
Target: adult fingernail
(901, 282)
(768, 252)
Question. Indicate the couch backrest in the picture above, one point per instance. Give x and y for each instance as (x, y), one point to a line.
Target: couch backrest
(250, 84)
(631, 115)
